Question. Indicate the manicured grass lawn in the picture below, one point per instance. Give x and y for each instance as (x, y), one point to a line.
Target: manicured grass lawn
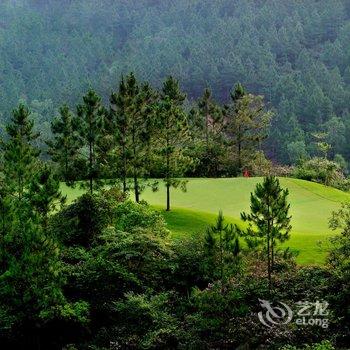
(184, 223)
(193, 211)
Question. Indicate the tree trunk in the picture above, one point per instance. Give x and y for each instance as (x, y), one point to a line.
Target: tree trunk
(272, 254)
(124, 169)
(136, 189)
(167, 169)
(269, 225)
(268, 261)
(167, 197)
(136, 184)
(90, 167)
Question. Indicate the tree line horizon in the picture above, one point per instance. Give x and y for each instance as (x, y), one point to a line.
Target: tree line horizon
(146, 134)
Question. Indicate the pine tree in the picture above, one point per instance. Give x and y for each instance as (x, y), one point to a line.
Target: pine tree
(64, 148)
(172, 136)
(20, 157)
(30, 275)
(89, 123)
(31, 280)
(119, 117)
(238, 93)
(269, 219)
(141, 134)
(132, 108)
(207, 109)
(44, 194)
(222, 245)
(247, 123)
(213, 126)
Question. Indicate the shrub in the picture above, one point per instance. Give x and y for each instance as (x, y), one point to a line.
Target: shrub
(260, 165)
(320, 170)
(325, 345)
(80, 222)
(130, 217)
(146, 322)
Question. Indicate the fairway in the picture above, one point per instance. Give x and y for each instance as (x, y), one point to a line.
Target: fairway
(192, 211)
(311, 207)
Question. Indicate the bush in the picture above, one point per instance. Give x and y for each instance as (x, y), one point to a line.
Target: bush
(320, 170)
(260, 165)
(325, 345)
(80, 222)
(130, 217)
(189, 270)
(146, 322)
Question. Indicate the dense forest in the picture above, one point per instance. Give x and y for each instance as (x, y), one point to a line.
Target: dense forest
(104, 104)
(52, 51)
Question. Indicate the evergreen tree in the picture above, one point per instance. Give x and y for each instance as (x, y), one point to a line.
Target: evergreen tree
(31, 278)
(140, 137)
(132, 110)
(119, 117)
(212, 116)
(20, 157)
(238, 93)
(89, 123)
(171, 137)
(222, 246)
(210, 112)
(322, 146)
(247, 123)
(269, 219)
(64, 148)
(44, 194)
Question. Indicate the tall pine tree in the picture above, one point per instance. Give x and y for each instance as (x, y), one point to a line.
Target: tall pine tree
(90, 131)
(171, 137)
(20, 156)
(247, 122)
(133, 110)
(64, 148)
(269, 220)
(213, 126)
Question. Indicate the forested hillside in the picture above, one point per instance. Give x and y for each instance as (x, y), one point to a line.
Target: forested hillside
(295, 53)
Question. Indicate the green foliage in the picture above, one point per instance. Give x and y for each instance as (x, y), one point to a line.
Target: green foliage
(89, 126)
(321, 170)
(64, 148)
(324, 345)
(295, 54)
(44, 193)
(259, 165)
(269, 220)
(222, 247)
(20, 156)
(83, 220)
(247, 124)
(146, 321)
(31, 277)
(130, 217)
(189, 265)
(172, 137)
(132, 112)
(213, 307)
(209, 135)
(339, 262)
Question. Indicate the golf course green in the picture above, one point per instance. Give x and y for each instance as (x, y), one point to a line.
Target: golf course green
(192, 211)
